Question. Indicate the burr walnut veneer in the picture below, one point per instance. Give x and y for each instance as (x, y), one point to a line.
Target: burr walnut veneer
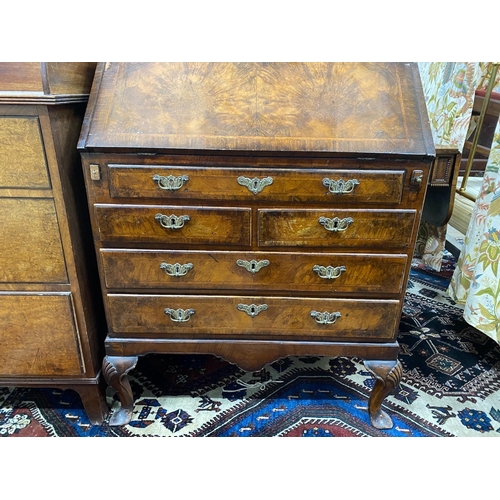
(50, 303)
(255, 211)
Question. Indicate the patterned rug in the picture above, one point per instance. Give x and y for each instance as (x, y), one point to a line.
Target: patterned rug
(450, 387)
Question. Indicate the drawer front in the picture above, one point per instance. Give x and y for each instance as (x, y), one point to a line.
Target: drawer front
(30, 243)
(279, 185)
(252, 317)
(253, 271)
(174, 225)
(38, 335)
(336, 228)
(22, 157)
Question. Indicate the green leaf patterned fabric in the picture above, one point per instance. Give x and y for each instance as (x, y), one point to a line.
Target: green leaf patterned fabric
(486, 69)
(449, 89)
(475, 282)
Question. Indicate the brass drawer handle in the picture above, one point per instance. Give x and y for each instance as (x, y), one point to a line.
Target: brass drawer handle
(341, 186)
(325, 318)
(170, 182)
(252, 266)
(179, 315)
(252, 310)
(255, 185)
(329, 272)
(172, 221)
(335, 225)
(176, 269)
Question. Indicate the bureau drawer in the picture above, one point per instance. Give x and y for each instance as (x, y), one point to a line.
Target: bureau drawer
(22, 156)
(338, 228)
(279, 185)
(30, 244)
(252, 317)
(38, 335)
(173, 224)
(315, 272)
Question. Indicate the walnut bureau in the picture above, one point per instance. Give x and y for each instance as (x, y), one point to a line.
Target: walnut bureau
(255, 211)
(51, 318)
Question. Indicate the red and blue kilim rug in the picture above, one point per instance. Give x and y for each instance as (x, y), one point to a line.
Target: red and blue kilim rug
(450, 387)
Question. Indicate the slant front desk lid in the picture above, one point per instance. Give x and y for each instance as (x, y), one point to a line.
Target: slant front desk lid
(290, 108)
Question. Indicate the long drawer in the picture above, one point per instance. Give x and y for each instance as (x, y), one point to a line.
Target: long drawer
(171, 316)
(38, 335)
(30, 243)
(330, 228)
(279, 271)
(278, 185)
(173, 224)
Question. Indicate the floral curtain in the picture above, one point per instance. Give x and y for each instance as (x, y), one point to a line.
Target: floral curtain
(449, 94)
(449, 89)
(486, 69)
(475, 282)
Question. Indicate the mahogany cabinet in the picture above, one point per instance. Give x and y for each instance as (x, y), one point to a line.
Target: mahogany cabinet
(255, 211)
(51, 319)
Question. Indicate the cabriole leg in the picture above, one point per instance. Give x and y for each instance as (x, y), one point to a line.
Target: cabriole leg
(388, 375)
(115, 370)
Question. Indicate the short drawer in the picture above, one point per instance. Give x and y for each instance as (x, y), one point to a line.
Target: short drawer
(252, 317)
(280, 271)
(279, 185)
(38, 335)
(30, 243)
(174, 224)
(336, 228)
(22, 156)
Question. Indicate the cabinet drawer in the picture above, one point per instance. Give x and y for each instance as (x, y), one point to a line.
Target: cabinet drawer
(316, 272)
(38, 336)
(30, 244)
(252, 317)
(338, 228)
(174, 224)
(22, 157)
(279, 185)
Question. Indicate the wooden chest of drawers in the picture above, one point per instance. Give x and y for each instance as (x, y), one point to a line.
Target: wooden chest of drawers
(51, 319)
(255, 211)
